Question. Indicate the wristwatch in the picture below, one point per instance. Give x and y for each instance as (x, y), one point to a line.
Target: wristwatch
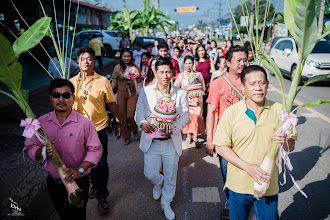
(81, 170)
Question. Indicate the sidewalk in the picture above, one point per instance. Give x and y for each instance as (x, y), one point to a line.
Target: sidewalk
(24, 180)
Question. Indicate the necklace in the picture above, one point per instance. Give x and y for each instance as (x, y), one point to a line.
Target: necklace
(85, 91)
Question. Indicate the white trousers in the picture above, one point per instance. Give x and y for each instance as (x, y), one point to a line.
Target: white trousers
(162, 151)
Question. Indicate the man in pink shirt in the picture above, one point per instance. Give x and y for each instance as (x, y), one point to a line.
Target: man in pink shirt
(75, 139)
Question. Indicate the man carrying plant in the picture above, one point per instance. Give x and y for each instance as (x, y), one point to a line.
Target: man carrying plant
(221, 96)
(93, 92)
(243, 137)
(75, 139)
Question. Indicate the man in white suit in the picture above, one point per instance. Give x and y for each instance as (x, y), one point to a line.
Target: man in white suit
(166, 149)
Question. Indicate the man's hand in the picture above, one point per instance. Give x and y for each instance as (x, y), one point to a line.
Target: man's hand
(71, 174)
(166, 135)
(258, 174)
(147, 127)
(209, 149)
(280, 138)
(118, 129)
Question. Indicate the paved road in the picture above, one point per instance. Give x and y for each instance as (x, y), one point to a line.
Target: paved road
(199, 194)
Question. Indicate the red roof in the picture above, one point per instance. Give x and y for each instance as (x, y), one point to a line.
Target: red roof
(90, 5)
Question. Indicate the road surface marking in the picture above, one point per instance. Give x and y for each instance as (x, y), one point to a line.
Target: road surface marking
(325, 118)
(270, 90)
(205, 194)
(309, 115)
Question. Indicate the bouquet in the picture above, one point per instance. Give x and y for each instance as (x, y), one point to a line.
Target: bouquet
(131, 73)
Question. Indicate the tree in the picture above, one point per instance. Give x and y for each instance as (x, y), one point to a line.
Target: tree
(124, 20)
(151, 18)
(238, 12)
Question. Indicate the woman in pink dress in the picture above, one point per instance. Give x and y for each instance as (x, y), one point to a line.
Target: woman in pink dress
(193, 83)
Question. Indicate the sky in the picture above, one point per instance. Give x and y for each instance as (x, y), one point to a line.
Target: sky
(208, 9)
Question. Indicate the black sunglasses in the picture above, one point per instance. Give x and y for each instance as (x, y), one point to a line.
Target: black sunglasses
(65, 95)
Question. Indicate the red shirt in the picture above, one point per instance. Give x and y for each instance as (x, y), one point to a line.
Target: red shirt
(175, 65)
(204, 68)
(222, 95)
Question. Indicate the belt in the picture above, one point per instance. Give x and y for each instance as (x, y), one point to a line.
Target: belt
(161, 139)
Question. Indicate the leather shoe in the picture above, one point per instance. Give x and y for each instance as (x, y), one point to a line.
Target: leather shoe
(168, 212)
(92, 193)
(103, 206)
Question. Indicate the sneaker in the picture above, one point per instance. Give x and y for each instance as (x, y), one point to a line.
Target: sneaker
(103, 206)
(157, 191)
(92, 193)
(168, 212)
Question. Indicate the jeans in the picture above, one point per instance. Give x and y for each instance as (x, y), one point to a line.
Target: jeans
(100, 174)
(264, 208)
(59, 197)
(223, 167)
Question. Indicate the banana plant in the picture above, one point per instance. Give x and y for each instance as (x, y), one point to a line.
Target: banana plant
(300, 19)
(11, 76)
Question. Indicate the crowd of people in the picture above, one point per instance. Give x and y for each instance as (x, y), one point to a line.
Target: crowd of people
(238, 129)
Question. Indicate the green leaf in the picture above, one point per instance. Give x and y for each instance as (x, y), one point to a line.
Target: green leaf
(306, 30)
(280, 18)
(11, 76)
(313, 103)
(7, 55)
(32, 36)
(313, 80)
(290, 7)
(327, 26)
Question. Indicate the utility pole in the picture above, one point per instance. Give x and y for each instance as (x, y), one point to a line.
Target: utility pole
(251, 17)
(157, 4)
(321, 16)
(231, 22)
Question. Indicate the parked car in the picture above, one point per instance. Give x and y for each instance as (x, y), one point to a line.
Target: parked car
(285, 55)
(109, 38)
(145, 41)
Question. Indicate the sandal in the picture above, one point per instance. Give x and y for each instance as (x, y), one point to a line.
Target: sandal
(92, 193)
(198, 144)
(188, 140)
(224, 214)
(136, 136)
(103, 206)
(127, 141)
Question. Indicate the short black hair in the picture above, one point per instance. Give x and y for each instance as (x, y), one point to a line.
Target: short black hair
(58, 83)
(188, 57)
(235, 48)
(248, 46)
(163, 61)
(137, 43)
(83, 50)
(162, 45)
(252, 68)
(219, 60)
(93, 35)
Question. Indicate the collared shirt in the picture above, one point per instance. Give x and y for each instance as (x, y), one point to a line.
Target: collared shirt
(222, 95)
(96, 45)
(90, 98)
(249, 141)
(76, 141)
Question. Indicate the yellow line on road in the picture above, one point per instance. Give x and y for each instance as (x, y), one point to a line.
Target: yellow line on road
(325, 118)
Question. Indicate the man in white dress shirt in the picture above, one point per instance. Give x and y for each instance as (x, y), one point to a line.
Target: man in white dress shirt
(166, 149)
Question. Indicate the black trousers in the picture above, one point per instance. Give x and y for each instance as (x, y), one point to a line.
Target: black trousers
(59, 196)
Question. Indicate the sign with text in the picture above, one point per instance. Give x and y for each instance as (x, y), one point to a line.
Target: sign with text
(186, 9)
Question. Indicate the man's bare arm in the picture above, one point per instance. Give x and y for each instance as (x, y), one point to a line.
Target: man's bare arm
(211, 109)
(253, 170)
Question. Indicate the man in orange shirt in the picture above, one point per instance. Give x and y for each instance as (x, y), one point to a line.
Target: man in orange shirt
(220, 97)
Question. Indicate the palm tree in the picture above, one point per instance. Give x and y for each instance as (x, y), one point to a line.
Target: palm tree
(151, 18)
(124, 20)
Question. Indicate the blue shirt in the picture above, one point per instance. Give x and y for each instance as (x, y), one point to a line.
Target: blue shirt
(54, 67)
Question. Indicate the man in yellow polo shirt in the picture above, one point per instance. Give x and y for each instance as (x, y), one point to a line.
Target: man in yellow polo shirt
(242, 137)
(97, 46)
(92, 93)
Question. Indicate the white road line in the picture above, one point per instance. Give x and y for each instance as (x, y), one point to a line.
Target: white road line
(309, 115)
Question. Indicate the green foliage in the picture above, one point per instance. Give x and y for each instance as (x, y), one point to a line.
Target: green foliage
(312, 103)
(290, 7)
(32, 36)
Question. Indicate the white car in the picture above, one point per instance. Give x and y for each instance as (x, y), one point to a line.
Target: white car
(110, 40)
(285, 54)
